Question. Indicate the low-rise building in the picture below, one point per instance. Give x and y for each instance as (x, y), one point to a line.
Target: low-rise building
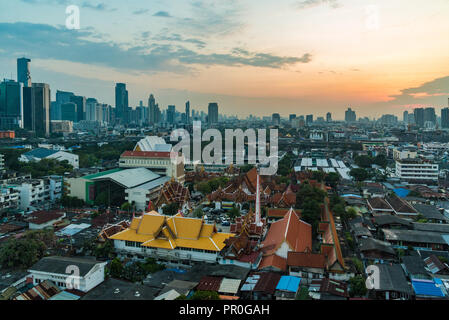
(158, 161)
(69, 272)
(9, 198)
(33, 193)
(416, 170)
(174, 240)
(40, 220)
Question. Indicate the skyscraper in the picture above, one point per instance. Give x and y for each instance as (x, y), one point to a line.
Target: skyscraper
(23, 72)
(212, 113)
(188, 112)
(80, 107)
(61, 98)
(405, 117)
(121, 103)
(445, 118)
(11, 105)
(41, 97)
(153, 110)
(171, 111)
(328, 117)
(419, 117)
(69, 112)
(309, 119)
(430, 116)
(91, 107)
(350, 115)
(276, 119)
(291, 117)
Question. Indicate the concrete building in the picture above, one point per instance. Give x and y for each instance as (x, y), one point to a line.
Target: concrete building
(416, 170)
(404, 153)
(69, 272)
(61, 126)
(9, 198)
(158, 162)
(32, 194)
(120, 185)
(141, 195)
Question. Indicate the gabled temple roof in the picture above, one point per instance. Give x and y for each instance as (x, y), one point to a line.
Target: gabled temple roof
(160, 231)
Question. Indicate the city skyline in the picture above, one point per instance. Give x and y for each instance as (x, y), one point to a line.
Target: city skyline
(173, 51)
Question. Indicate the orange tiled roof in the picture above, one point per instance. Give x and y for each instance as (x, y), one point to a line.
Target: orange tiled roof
(273, 261)
(145, 154)
(290, 229)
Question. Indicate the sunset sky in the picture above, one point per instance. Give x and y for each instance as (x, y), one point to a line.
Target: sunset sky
(251, 56)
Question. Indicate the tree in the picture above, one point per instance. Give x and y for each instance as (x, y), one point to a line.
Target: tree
(24, 252)
(205, 295)
(102, 199)
(309, 199)
(198, 212)
(364, 161)
(170, 209)
(339, 210)
(359, 174)
(358, 265)
(234, 212)
(381, 160)
(105, 250)
(349, 214)
(203, 187)
(332, 179)
(116, 268)
(357, 287)
(126, 206)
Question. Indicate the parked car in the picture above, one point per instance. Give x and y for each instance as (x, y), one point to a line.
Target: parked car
(226, 224)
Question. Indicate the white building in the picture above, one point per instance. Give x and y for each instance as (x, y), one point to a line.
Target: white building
(9, 197)
(152, 143)
(38, 193)
(140, 195)
(33, 194)
(69, 272)
(157, 161)
(174, 240)
(416, 170)
(406, 153)
(43, 153)
(56, 185)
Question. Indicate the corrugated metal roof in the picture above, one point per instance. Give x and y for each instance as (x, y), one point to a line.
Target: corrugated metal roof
(64, 295)
(40, 153)
(426, 288)
(288, 283)
(130, 178)
(229, 286)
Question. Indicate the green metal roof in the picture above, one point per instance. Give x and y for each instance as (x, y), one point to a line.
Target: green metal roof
(99, 174)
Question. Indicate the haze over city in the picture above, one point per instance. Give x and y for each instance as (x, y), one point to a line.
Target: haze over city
(252, 57)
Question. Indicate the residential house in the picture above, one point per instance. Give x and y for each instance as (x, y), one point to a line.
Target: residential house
(392, 284)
